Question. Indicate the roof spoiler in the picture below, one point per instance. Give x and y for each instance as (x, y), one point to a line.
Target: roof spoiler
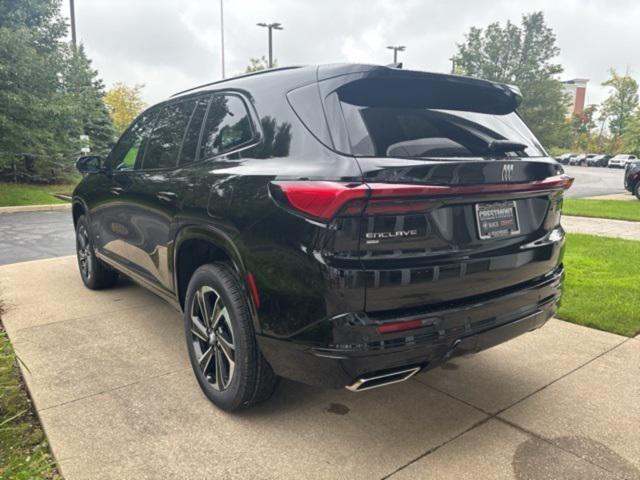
(375, 85)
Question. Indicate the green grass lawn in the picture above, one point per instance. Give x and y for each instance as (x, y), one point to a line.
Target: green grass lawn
(602, 285)
(24, 451)
(615, 209)
(12, 194)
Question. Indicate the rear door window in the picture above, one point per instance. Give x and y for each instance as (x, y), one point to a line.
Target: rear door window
(168, 133)
(227, 127)
(192, 136)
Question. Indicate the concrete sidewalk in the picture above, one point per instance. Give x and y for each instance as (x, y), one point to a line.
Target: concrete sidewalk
(602, 227)
(110, 377)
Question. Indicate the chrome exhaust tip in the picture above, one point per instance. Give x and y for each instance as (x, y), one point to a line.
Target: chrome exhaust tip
(382, 380)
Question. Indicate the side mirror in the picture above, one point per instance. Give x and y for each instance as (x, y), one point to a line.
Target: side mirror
(89, 164)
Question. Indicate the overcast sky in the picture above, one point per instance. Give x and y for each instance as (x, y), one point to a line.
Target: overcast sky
(169, 45)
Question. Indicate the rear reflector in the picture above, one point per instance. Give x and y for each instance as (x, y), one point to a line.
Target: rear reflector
(324, 200)
(253, 290)
(399, 326)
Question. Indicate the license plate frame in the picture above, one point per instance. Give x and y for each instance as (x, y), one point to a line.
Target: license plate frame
(503, 225)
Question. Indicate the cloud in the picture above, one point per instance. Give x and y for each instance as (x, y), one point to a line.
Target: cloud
(173, 44)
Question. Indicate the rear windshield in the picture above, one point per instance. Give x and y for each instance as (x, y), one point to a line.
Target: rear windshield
(406, 122)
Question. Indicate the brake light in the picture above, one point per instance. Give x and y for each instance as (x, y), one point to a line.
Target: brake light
(323, 200)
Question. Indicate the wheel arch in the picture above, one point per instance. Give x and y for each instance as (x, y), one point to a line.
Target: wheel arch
(195, 246)
(78, 208)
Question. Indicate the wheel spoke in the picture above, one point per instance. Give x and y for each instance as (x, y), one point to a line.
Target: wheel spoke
(205, 360)
(204, 311)
(222, 313)
(198, 329)
(226, 347)
(218, 362)
(218, 307)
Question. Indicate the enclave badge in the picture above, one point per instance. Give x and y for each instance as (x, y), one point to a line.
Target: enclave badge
(375, 237)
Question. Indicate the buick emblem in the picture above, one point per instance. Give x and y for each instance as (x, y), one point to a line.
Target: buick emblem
(507, 172)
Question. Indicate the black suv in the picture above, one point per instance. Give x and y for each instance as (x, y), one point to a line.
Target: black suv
(632, 178)
(343, 225)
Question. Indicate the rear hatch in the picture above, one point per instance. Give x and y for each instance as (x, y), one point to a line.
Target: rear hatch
(460, 188)
(460, 200)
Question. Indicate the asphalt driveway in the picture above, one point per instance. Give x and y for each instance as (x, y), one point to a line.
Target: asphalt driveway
(110, 378)
(36, 235)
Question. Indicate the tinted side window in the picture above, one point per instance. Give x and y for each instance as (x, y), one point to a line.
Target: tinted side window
(130, 148)
(190, 143)
(166, 138)
(228, 126)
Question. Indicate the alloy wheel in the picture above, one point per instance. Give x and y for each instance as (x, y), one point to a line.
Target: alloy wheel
(84, 251)
(212, 338)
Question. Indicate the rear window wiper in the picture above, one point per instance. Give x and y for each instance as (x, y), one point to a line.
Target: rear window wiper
(504, 146)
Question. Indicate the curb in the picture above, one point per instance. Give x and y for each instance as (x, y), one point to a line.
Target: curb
(36, 208)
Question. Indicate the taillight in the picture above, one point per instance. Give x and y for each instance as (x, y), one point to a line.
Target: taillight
(324, 200)
(320, 200)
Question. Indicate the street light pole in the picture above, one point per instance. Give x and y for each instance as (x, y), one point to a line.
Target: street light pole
(396, 49)
(270, 27)
(221, 35)
(72, 14)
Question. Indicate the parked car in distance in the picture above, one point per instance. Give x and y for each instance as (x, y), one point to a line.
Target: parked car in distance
(598, 160)
(342, 226)
(621, 160)
(580, 160)
(565, 157)
(632, 178)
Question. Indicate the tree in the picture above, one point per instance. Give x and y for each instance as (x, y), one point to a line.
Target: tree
(621, 102)
(49, 95)
(521, 55)
(257, 64)
(124, 104)
(36, 117)
(87, 91)
(632, 134)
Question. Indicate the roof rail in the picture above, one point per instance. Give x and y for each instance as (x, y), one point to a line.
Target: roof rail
(244, 75)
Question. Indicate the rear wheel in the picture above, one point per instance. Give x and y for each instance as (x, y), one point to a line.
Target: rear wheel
(636, 190)
(95, 274)
(221, 341)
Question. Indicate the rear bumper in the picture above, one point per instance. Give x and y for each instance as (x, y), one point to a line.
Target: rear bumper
(352, 346)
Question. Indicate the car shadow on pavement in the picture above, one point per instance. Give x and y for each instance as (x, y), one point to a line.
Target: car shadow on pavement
(535, 455)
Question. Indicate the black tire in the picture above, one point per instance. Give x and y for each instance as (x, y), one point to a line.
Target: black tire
(95, 274)
(250, 379)
(636, 190)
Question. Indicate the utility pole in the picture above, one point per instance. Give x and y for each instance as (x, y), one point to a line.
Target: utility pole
(396, 49)
(453, 65)
(72, 10)
(221, 35)
(270, 27)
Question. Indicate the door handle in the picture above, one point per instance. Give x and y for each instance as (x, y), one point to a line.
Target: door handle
(167, 196)
(117, 190)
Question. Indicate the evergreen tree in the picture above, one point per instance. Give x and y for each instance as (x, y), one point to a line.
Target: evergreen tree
(86, 90)
(521, 55)
(49, 95)
(35, 115)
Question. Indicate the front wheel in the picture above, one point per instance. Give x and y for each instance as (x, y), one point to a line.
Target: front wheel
(95, 274)
(221, 341)
(636, 190)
